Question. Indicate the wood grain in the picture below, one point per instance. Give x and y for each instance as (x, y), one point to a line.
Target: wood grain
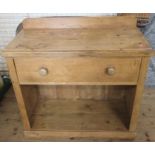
(101, 37)
(138, 94)
(18, 92)
(73, 135)
(77, 52)
(79, 40)
(75, 92)
(77, 70)
(77, 22)
(80, 115)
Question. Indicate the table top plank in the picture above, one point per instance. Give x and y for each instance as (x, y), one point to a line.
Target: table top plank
(121, 40)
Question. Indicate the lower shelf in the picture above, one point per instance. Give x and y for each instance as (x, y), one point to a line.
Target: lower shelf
(80, 115)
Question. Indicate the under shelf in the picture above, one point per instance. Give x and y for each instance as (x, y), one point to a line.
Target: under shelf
(80, 115)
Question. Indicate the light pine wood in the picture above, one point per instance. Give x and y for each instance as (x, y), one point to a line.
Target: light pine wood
(77, 22)
(80, 115)
(77, 70)
(18, 92)
(138, 94)
(79, 53)
(74, 92)
(125, 38)
(80, 119)
(100, 135)
(73, 40)
(79, 59)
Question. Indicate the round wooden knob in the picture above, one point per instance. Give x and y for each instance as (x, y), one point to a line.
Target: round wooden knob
(43, 71)
(110, 70)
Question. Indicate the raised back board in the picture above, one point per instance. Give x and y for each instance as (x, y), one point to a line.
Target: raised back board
(77, 22)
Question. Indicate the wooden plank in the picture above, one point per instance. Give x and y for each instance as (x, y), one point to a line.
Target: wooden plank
(77, 22)
(75, 40)
(75, 92)
(83, 53)
(18, 93)
(86, 106)
(138, 93)
(77, 70)
(75, 134)
(100, 41)
(80, 83)
(80, 115)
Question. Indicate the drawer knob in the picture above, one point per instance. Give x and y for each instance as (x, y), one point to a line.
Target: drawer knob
(110, 70)
(43, 71)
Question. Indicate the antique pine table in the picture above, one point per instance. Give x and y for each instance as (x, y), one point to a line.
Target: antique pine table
(79, 77)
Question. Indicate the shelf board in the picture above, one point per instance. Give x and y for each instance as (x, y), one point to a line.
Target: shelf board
(80, 115)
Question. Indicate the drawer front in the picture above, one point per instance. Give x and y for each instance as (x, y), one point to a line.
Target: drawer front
(78, 70)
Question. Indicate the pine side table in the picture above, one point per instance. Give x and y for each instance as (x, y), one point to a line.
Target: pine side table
(79, 77)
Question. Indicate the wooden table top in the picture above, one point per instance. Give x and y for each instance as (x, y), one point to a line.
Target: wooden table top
(107, 40)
